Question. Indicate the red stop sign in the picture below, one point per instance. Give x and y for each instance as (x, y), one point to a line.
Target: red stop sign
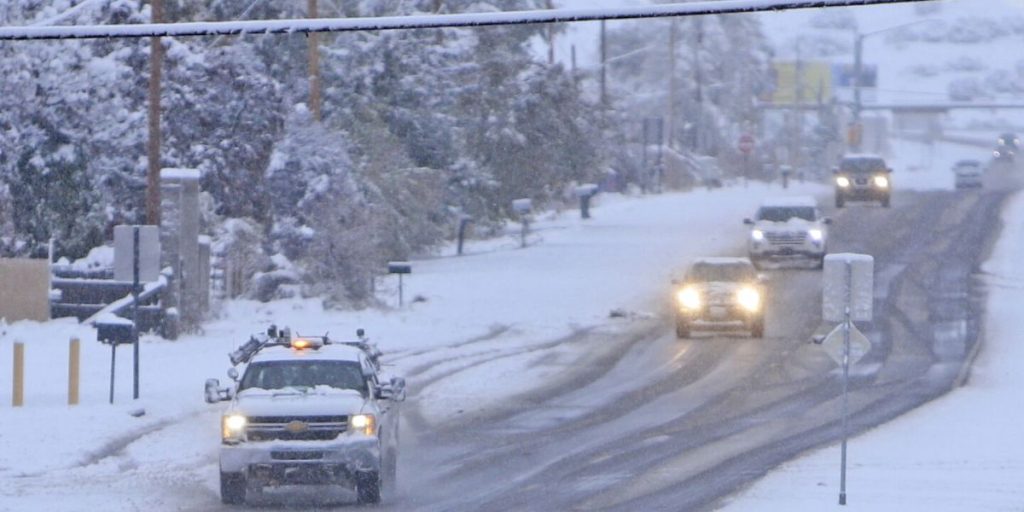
(746, 143)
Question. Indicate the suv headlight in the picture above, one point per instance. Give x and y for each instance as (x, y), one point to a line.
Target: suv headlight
(689, 298)
(749, 299)
(757, 235)
(843, 181)
(233, 428)
(881, 182)
(816, 234)
(364, 423)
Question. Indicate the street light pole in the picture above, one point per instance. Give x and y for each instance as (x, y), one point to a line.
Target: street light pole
(858, 69)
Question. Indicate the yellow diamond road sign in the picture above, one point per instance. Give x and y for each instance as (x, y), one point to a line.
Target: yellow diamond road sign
(833, 344)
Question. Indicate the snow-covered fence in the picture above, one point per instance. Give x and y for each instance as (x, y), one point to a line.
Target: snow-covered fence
(421, 21)
(91, 299)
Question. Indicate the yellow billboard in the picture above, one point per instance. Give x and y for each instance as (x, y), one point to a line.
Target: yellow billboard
(802, 82)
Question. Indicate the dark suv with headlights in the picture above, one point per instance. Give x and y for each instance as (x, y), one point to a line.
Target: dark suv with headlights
(863, 178)
(720, 293)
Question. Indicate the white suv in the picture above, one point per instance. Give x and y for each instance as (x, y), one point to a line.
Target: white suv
(307, 411)
(788, 228)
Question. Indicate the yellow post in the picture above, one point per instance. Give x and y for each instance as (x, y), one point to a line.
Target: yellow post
(73, 358)
(18, 395)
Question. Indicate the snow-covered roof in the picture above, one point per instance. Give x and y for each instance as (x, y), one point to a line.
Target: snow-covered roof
(327, 352)
(863, 155)
(779, 201)
(722, 260)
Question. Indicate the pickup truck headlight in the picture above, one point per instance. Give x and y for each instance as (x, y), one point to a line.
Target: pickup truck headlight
(689, 298)
(749, 299)
(881, 182)
(843, 181)
(233, 428)
(757, 235)
(816, 234)
(364, 423)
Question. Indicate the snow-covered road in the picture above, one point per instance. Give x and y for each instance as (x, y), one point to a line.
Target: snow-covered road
(524, 393)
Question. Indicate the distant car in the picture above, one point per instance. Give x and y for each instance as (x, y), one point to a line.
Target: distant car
(863, 178)
(720, 293)
(787, 228)
(1008, 140)
(967, 174)
(1006, 148)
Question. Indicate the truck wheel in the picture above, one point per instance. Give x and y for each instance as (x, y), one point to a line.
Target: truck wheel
(232, 488)
(682, 329)
(840, 201)
(757, 330)
(368, 487)
(820, 263)
(885, 202)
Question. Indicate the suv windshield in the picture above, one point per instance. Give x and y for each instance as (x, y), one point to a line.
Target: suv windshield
(304, 374)
(731, 272)
(862, 165)
(784, 213)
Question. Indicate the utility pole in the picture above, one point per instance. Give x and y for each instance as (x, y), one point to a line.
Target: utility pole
(699, 80)
(858, 65)
(551, 37)
(604, 67)
(314, 64)
(156, 51)
(795, 156)
(672, 84)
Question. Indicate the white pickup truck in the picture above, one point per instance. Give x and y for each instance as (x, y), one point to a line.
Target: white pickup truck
(307, 411)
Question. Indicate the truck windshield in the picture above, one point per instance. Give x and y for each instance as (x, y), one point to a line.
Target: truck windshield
(784, 213)
(703, 272)
(862, 165)
(304, 374)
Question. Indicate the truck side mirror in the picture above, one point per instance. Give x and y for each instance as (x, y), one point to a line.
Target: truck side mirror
(214, 393)
(748, 222)
(827, 221)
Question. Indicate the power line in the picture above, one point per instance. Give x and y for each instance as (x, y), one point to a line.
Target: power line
(307, 26)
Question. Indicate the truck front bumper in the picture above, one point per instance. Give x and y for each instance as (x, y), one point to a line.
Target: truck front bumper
(273, 463)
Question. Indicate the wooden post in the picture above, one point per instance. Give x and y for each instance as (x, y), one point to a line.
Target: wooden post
(314, 65)
(18, 393)
(672, 84)
(74, 353)
(153, 144)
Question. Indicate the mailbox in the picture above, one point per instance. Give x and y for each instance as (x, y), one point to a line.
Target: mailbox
(522, 206)
(399, 267)
(115, 333)
(586, 190)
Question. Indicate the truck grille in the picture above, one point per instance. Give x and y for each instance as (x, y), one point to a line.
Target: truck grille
(861, 181)
(276, 428)
(788, 238)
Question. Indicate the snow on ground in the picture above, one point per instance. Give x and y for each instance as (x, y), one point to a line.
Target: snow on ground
(479, 315)
(961, 452)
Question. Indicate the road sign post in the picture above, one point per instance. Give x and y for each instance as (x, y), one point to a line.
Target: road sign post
(848, 295)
